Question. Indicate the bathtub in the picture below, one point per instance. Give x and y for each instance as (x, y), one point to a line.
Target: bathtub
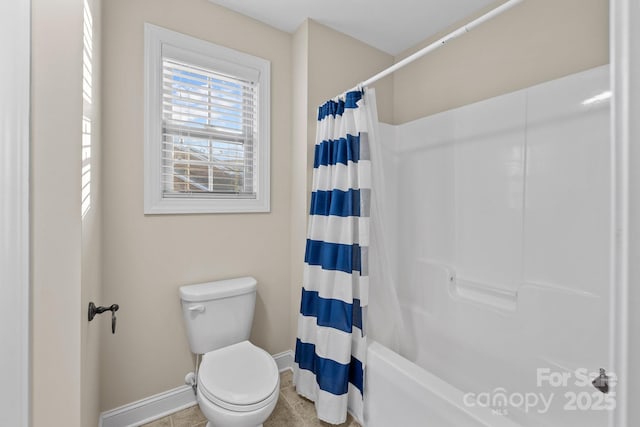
(400, 393)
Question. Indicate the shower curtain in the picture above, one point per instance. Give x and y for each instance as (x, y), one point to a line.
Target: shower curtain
(330, 351)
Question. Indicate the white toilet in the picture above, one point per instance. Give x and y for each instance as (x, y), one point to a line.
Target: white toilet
(237, 382)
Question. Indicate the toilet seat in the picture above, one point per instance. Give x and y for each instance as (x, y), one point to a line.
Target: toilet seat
(240, 377)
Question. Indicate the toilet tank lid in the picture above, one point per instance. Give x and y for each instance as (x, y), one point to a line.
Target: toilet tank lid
(218, 289)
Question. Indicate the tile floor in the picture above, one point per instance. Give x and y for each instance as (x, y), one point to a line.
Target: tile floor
(292, 410)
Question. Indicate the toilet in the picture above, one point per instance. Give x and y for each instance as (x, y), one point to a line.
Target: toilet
(237, 382)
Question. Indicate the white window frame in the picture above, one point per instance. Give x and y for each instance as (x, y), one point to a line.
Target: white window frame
(216, 58)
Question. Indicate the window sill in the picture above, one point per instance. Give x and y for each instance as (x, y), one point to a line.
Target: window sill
(217, 206)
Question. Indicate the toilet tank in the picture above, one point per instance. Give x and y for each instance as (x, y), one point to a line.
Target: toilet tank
(218, 314)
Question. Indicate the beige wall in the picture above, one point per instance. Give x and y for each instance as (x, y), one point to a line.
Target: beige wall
(147, 258)
(534, 42)
(357, 61)
(91, 290)
(325, 64)
(56, 116)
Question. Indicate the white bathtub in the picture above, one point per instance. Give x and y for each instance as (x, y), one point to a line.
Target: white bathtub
(400, 393)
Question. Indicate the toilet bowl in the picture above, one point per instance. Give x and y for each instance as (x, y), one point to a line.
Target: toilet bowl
(238, 386)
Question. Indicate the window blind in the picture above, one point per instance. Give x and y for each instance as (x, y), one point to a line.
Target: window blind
(209, 132)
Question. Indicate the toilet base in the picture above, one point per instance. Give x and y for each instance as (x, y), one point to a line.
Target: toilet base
(221, 417)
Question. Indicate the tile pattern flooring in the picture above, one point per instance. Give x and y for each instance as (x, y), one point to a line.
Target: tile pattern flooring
(292, 410)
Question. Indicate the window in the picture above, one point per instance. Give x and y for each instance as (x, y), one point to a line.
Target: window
(206, 126)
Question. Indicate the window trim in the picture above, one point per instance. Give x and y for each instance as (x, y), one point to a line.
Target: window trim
(154, 202)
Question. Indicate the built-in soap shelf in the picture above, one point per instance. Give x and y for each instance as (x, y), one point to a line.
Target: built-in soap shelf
(478, 292)
(503, 299)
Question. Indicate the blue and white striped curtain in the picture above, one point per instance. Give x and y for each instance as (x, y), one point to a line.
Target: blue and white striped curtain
(331, 343)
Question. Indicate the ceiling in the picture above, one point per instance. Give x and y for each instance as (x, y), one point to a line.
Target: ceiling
(389, 25)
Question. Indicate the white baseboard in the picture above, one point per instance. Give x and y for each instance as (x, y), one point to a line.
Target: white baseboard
(284, 360)
(149, 409)
(160, 405)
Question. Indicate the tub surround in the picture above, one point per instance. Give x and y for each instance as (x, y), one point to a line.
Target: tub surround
(501, 236)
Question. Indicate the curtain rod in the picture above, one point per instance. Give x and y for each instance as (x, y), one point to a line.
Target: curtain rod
(441, 42)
